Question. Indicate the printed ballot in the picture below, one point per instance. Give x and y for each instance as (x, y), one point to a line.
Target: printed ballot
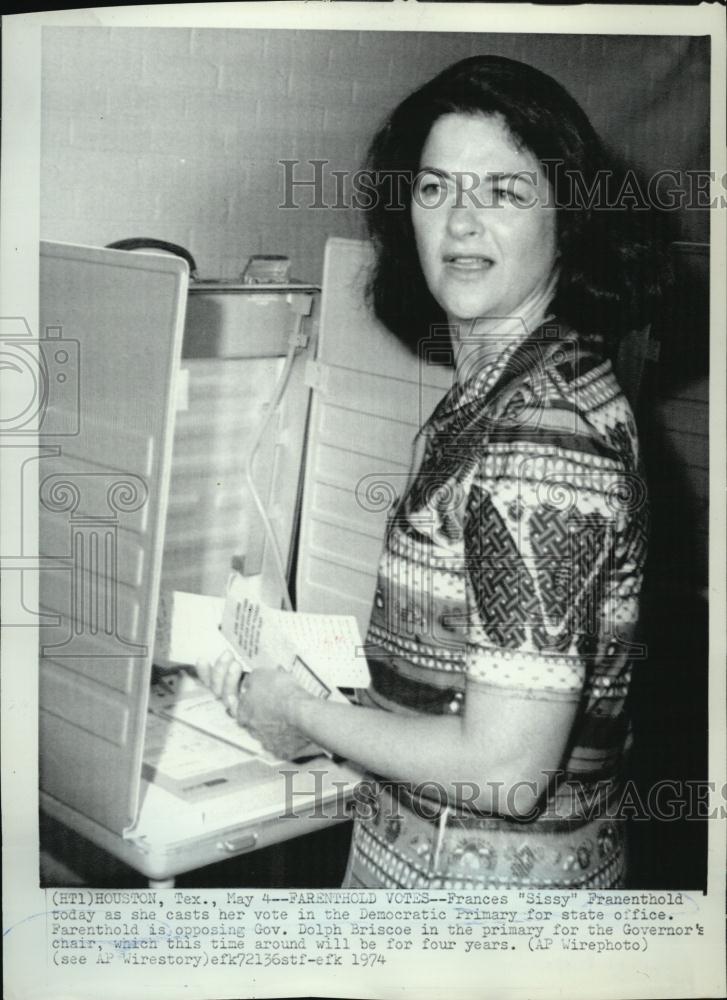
(323, 652)
(194, 747)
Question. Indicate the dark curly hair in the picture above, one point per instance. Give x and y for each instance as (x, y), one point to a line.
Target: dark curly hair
(610, 263)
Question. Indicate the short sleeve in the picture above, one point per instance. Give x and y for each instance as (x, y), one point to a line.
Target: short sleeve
(554, 548)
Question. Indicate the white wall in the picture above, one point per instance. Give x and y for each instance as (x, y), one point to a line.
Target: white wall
(177, 133)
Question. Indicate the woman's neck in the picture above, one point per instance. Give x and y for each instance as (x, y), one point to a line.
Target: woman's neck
(481, 341)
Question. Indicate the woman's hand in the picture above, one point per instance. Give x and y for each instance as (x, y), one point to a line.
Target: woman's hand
(223, 677)
(263, 707)
(260, 701)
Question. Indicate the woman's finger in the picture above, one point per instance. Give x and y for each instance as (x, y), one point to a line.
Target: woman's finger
(203, 669)
(231, 685)
(241, 712)
(219, 672)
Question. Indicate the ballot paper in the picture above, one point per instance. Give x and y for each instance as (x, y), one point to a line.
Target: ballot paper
(183, 752)
(323, 652)
(194, 749)
(188, 629)
(184, 697)
(194, 765)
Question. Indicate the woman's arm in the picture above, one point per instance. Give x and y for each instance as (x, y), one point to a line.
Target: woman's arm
(533, 591)
(496, 757)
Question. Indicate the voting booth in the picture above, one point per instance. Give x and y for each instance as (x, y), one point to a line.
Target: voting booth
(105, 730)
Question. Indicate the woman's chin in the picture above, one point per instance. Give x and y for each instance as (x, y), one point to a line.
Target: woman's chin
(469, 320)
(465, 312)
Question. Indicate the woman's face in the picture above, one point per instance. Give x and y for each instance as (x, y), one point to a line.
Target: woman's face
(485, 227)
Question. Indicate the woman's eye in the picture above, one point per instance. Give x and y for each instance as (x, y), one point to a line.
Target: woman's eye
(504, 193)
(429, 189)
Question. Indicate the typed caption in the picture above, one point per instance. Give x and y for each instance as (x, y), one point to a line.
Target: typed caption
(349, 928)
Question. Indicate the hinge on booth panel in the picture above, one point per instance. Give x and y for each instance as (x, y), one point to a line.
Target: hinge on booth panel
(317, 376)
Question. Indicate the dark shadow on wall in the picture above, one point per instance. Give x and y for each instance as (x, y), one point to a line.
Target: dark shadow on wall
(670, 689)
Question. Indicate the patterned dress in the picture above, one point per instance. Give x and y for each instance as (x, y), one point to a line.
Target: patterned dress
(514, 560)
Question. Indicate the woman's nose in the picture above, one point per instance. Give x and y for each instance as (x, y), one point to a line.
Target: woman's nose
(464, 220)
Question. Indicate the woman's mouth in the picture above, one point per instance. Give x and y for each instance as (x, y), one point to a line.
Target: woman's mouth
(468, 262)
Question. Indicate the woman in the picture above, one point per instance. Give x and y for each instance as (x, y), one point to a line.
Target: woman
(500, 638)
